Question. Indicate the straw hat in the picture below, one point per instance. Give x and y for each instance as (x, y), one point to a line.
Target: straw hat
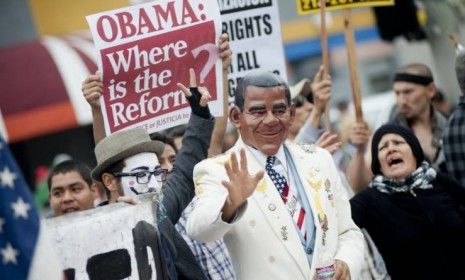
(123, 144)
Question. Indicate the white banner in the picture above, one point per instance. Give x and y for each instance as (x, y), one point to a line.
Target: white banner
(117, 241)
(254, 31)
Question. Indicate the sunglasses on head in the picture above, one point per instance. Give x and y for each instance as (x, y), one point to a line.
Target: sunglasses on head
(299, 100)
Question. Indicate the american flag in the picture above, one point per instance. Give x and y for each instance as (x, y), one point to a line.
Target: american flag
(24, 249)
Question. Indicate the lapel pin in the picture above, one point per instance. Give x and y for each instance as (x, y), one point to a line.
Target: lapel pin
(284, 233)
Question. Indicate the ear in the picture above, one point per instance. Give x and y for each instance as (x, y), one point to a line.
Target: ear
(235, 116)
(93, 188)
(110, 182)
(431, 90)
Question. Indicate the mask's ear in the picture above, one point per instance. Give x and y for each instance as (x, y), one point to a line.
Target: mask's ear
(292, 111)
(235, 115)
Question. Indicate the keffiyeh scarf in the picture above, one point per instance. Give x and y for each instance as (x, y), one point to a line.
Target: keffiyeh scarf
(419, 179)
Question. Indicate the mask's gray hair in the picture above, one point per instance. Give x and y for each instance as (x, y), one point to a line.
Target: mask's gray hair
(259, 79)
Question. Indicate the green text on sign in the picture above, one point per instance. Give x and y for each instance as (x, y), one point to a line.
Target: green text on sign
(305, 7)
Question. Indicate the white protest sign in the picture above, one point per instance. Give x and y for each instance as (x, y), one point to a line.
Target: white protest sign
(117, 241)
(254, 32)
(145, 50)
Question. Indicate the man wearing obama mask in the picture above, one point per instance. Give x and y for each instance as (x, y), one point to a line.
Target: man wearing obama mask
(280, 207)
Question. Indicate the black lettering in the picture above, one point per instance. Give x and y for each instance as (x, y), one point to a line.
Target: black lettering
(248, 27)
(145, 235)
(113, 265)
(70, 273)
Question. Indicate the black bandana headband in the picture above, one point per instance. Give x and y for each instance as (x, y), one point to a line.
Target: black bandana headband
(416, 79)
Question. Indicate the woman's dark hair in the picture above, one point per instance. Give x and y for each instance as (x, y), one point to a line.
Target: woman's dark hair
(406, 133)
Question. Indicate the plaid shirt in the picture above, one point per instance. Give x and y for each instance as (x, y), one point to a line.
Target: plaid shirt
(213, 257)
(454, 143)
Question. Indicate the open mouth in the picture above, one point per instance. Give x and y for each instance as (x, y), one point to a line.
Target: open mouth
(70, 210)
(394, 161)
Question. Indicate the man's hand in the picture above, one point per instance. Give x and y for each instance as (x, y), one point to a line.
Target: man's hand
(359, 136)
(241, 184)
(92, 89)
(321, 89)
(342, 271)
(225, 52)
(329, 141)
(198, 97)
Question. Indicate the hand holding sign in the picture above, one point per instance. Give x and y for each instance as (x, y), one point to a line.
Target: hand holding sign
(225, 51)
(92, 89)
(197, 96)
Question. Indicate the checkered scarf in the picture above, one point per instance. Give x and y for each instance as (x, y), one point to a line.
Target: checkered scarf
(419, 179)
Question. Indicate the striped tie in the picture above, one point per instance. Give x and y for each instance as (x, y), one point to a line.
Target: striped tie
(292, 203)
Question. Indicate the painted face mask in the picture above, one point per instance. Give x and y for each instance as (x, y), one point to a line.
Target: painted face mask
(142, 173)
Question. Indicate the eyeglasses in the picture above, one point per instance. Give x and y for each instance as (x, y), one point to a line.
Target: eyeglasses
(143, 177)
(260, 113)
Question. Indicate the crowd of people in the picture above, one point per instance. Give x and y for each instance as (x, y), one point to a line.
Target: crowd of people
(286, 199)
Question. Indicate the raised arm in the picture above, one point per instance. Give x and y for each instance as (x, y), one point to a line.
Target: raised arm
(321, 90)
(359, 173)
(219, 130)
(179, 189)
(92, 89)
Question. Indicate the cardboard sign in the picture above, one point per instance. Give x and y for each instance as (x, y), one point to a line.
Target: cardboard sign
(117, 241)
(305, 7)
(145, 50)
(254, 33)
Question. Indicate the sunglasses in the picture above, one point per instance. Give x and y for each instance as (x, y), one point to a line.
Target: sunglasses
(299, 100)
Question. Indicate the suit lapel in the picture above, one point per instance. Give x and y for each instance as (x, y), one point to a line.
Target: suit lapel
(269, 201)
(313, 181)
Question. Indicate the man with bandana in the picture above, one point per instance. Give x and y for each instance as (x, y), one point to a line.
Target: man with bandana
(414, 88)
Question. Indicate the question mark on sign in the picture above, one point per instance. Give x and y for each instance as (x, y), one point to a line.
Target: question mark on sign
(212, 55)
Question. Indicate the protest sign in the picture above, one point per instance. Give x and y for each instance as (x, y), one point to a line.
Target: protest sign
(305, 7)
(145, 50)
(117, 241)
(254, 32)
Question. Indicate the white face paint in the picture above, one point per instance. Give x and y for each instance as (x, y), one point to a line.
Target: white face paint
(139, 163)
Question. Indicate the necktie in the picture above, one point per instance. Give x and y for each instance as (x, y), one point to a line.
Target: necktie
(293, 205)
(278, 180)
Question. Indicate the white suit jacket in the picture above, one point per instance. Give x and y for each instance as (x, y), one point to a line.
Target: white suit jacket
(262, 239)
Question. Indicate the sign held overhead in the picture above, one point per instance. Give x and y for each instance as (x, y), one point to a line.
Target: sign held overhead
(305, 7)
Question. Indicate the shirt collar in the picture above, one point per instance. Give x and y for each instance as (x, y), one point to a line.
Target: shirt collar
(261, 158)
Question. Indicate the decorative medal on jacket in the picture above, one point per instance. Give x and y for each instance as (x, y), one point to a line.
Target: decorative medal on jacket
(315, 183)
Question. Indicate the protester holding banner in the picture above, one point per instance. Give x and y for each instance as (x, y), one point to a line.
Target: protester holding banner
(128, 159)
(268, 225)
